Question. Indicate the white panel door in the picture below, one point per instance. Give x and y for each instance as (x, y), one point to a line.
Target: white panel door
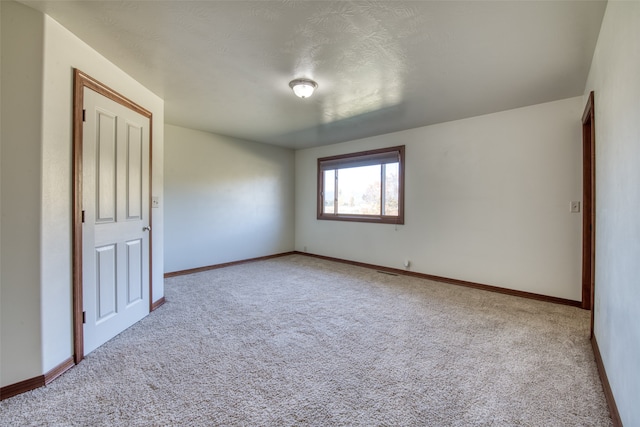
(115, 235)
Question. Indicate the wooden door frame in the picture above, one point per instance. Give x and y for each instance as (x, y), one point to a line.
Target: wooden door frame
(588, 206)
(81, 81)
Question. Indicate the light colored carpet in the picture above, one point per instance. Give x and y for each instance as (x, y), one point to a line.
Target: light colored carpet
(302, 341)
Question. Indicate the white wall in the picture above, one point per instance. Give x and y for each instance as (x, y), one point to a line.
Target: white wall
(36, 287)
(487, 201)
(0, 194)
(615, 80)
(225, 199)
(63, 52)
(21, 110)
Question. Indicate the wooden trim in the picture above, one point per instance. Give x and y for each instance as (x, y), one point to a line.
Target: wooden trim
(158, 303)
(58, 370)
(106, 91)
(588, 109)
(21, 387)
(36, 382)
(465, 283)
(380, 219)
(78, 104)
(226, 264)
(80, 81)
(588, 208)
(362, 218)
(319, 190)
(608, 393)
(151, 307)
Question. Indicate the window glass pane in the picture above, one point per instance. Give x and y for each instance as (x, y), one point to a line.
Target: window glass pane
(362, 187)
(329, 191)
(359, 190)
(391, 189)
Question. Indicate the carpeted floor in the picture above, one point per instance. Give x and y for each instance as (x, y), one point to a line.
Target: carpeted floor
(302, 341)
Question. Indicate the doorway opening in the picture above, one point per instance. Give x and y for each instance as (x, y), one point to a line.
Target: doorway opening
(83, 82)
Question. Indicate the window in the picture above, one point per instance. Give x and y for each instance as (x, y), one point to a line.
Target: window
(366, 186)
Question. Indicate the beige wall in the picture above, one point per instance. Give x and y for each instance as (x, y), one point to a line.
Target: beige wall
(21, 111)
(487, 197)
(226, 199)
(36, 281)
(615, 80)
(487, 201)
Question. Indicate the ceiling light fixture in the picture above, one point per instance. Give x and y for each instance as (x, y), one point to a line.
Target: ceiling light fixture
(303, 88)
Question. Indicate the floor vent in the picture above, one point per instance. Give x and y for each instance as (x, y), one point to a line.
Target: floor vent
(387, 273)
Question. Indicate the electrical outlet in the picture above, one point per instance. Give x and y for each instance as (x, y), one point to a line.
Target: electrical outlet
(575, 207)
(407, 263)
(155, 202)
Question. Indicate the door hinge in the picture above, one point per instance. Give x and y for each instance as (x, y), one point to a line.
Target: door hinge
(84, 115)
(83, 217)
(84, 317)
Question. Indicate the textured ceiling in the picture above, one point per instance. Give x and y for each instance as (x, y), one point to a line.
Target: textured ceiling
(381, 66)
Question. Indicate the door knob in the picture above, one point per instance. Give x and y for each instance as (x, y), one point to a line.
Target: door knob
(146, 228)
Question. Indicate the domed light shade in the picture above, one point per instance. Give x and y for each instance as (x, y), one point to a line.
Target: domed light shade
(303, 88)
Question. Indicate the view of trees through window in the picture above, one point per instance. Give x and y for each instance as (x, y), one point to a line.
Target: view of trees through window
(360, 190)
(357, 186)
